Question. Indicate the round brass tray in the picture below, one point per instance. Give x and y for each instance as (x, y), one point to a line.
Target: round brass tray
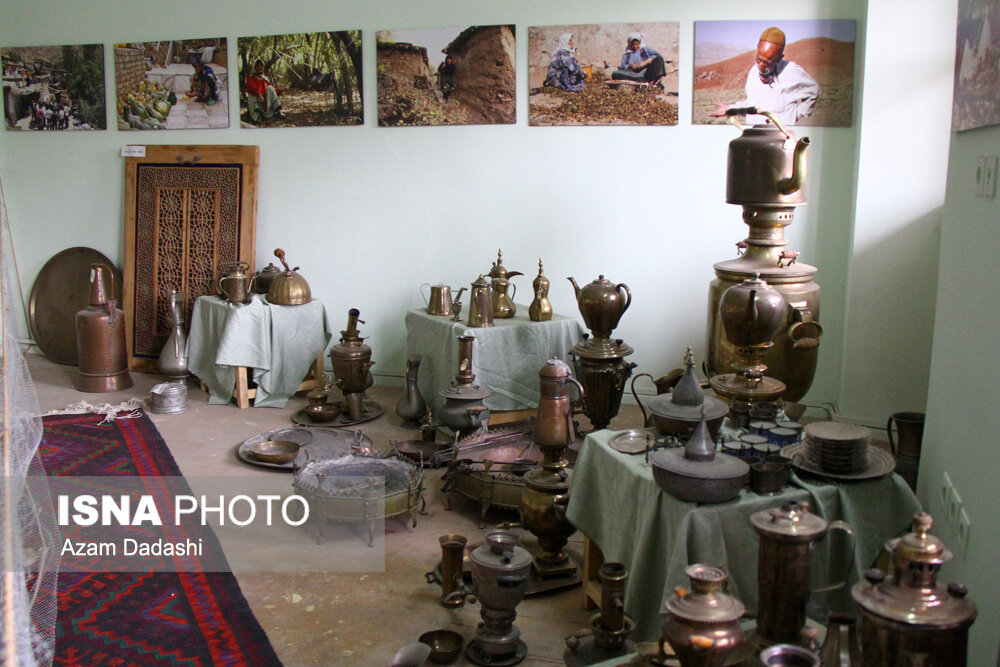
(61, 290)
(369, 410)
(329, 442)
(880, 464)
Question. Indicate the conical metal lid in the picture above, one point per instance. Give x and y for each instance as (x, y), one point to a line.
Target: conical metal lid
(687, 401)
(698, 458)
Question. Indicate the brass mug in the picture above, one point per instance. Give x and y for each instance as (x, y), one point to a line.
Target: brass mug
(439, 301)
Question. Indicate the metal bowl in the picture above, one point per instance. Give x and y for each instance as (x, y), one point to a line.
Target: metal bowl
(446, 645)
(322, 412)
(275, 451)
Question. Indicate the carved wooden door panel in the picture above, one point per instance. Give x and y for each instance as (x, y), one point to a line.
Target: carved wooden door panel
(187, 208)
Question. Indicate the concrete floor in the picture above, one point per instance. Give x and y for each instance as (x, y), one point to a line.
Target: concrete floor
(337, 618)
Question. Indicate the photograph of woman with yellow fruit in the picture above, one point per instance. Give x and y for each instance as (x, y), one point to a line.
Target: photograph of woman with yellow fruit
(172, 85)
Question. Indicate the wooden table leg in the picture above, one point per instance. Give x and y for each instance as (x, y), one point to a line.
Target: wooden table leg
(242, 393)
(592, 561)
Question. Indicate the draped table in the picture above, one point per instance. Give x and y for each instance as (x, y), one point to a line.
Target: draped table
(615, 502)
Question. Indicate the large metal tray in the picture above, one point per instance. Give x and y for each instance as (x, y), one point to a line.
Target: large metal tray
(61, 290)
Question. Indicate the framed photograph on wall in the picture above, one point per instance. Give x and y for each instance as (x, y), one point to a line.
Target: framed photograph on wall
(976, 102)
(603, 74)
(801, 71)
(172, 84)
(52, 88)
(446, 76)
(301, 79)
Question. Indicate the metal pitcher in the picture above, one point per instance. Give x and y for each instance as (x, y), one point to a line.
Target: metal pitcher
(100, 338)
(480, 304)
(907, 449)
(237, 284)
(439, 301)
(502, 303)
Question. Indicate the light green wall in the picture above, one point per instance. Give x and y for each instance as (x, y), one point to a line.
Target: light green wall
(370, 213)
(960, 436)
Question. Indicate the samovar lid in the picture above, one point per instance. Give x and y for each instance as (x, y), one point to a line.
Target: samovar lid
(792, 520)
(602, 348)
(912, 594)
(501, 552)
(465, 392)
(555, 368)
(705, 602)
(270, 270)
(687, 402)
(745, 267)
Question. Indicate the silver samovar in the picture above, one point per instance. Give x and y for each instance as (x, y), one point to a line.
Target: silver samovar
(907, 617)
(598, 360)
(751, 314)
(352, 361)
(546, 492)
(500, 575)
(766, 176)
(464, 410)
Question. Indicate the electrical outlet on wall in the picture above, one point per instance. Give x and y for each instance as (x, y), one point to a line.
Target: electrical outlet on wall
(986, 176)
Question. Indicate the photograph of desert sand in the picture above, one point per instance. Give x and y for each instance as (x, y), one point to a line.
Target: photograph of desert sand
(446, 76)
(808, 65)
(977, 65)
(603, 74)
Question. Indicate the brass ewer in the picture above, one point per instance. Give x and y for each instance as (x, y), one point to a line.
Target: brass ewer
(751, 314)
(907, 616)
(702, 624)
(540, 309)
(351, 360)
(546, 493)
(766, 176)
(502, 303)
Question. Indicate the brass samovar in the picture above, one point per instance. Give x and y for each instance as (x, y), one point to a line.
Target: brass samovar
(766, 176)
(100, 339)
(352, 361)
(598, 360)
(546, 492)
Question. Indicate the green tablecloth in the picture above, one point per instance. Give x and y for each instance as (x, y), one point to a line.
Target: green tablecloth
(279, 343)
(615, 502)
(506, 357)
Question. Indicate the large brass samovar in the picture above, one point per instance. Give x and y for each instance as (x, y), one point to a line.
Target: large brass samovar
(907, 617)
(598, 360)
(100, 339)
(546, 492)
(766, 176)
(352, 361)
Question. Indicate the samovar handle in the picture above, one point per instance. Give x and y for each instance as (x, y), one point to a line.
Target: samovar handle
(628, 294)
(846, 527)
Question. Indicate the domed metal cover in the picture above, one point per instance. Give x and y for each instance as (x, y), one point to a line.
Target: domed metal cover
(792, 520)
(466, 392)
(501, 552)
(699, 459)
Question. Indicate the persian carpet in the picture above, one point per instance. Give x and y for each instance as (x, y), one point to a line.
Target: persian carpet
(188, 619)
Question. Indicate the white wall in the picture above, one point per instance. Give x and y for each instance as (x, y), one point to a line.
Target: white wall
(904, 135)
(370, 213)
(960, 436)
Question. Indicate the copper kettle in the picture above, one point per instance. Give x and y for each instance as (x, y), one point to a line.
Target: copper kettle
(288, 288)
(602, 304)
(766, 164)
(751, 312)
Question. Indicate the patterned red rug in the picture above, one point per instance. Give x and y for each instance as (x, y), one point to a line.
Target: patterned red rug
(142, 619)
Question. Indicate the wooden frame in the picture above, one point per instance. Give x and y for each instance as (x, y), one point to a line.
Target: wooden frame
(167, 191)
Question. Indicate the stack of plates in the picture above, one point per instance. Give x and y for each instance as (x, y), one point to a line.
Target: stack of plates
(836, 447)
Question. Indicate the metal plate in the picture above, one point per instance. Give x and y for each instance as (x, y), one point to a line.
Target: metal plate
(632, 441)
(369, 410)
(62, 289)
(880, 464)
(299, 436)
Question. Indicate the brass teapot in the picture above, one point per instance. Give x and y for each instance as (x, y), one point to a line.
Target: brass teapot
(237, 283)
(766, 164)
(602, 304)
(502, 304)
(751, 312)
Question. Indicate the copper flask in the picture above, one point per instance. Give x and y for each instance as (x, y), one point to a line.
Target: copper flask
(100, 339)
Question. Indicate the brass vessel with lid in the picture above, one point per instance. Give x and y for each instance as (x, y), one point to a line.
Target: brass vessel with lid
(288, 288)
(702, 624)
(540, 309)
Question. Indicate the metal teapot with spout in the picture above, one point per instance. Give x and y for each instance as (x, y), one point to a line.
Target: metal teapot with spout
(237, 283)
(766, 165)
(480, 304)
(502, 304)
(288, 288)
(751, 312)
(602, 304)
